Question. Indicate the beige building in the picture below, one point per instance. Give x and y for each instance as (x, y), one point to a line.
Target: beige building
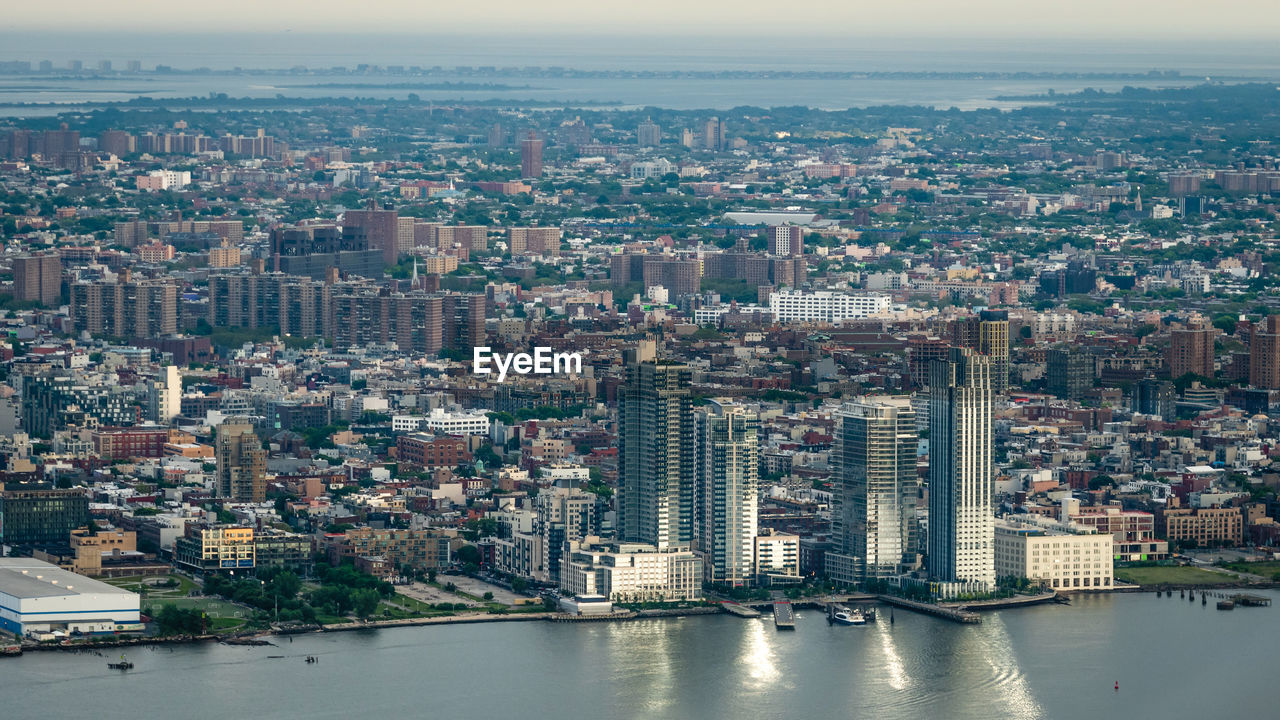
(207, 548)
(777, 557)
(630, 572)
(225, 256)
(1062, 557)
(242, 462)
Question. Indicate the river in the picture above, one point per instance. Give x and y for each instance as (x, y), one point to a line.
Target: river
(1172, 658)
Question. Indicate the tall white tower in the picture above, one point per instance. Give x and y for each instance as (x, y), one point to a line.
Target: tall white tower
(961, 481)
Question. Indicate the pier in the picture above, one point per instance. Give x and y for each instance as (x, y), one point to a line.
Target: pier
(954, 614)
(784, 616)
(741, 611)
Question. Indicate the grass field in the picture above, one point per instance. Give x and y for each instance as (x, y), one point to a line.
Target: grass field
(223, 615)
(1269, 569)
(1172, 575)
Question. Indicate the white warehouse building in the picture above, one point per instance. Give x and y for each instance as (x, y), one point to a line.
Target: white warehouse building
(38, 597)
(825, 306)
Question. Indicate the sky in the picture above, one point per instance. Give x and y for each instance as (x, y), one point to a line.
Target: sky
(1146, 20)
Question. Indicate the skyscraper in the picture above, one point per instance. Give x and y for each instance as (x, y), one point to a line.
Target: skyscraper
(988, 334)
(961, 487)
(531, 157)
(38, 278)
(655, 452)
(242, 463)
(727, 493)
(713, 134)
(873, 520)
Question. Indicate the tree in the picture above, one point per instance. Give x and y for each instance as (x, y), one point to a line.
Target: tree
(365, 602)
(468, 555)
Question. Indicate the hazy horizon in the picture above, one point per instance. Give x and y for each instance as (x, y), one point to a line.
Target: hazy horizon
(1083, 19)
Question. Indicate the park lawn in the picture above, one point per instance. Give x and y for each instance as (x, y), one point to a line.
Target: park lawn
(134, 583)
(1267, 569)
(1171, 575)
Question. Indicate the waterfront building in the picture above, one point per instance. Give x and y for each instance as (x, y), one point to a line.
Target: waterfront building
(727, 492)
(38, 597)
(422, 549)
(1061, 557)
(961, 479)
(874, 489)
(214, 548)
(777, 558)
(631, 572)
(656, 458)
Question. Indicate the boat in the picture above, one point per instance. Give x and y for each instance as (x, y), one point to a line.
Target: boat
(1226, 605)
(124, 664)
(849, 617)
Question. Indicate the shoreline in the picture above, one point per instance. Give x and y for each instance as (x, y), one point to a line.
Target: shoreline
(258, 638)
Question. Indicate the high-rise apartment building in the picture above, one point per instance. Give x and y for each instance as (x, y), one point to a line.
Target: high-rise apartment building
(1191, 348)
(38, 278)
(534, 241)
(648, 134)
(1068, 372)
(961, 480)
(382, 230)
(164, 396)
(242, 463)
(655, 452)
(786, 240)
(873, 524)
(988, 334)
(125, 308)
(714, 134)
(531, 157)
(727, 492)
(1264, 354)
(39, 514)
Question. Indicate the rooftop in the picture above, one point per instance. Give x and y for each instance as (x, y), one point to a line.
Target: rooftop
(27, 578)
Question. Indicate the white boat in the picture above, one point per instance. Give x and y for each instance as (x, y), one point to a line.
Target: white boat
(849, 617)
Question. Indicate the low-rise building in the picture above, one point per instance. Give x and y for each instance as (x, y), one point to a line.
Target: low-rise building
(631, 572)
(1061, 557)
(37, 597)
(205, 548)
(1203, 526)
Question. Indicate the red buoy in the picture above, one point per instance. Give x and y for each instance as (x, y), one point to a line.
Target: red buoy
(1117, 686)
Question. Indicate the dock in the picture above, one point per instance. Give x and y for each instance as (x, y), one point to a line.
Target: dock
(784, 616)
(741, 611)
(1251, 600)
(959, 615)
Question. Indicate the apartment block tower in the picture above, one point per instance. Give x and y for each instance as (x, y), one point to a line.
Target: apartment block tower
(961, 481)
(727, 492)
(786, 240)
(38, 277)
(873, 524)
(988, 334)
(242, 463)
(1264, 354)
(1191, 348)
(655, 452)
(531, 157)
